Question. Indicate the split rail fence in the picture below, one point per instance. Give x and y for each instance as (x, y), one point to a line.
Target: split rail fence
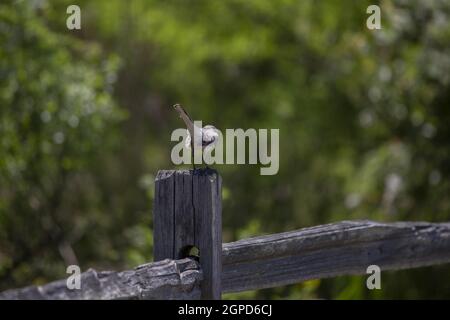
(187, 215)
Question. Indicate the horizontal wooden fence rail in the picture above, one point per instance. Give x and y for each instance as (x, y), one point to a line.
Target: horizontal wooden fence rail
(167, 279)
(344, 248)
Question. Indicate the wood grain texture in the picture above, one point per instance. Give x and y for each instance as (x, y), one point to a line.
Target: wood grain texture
(164, 216)
(166, 279)
(187, 212)
(330, 250)
(184, 214)
(343, 248)
(208, 230)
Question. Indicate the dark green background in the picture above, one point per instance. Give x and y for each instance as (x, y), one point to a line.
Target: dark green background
(86, 118)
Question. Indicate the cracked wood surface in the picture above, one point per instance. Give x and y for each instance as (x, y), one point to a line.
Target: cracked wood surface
(343, 248)
(166, 279)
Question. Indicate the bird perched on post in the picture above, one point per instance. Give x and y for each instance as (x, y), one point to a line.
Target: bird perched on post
(198, 138)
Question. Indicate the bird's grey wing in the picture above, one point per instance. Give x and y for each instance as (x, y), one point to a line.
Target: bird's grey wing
(208, 143)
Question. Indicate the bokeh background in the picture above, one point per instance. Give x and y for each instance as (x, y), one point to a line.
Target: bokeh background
(86, 118)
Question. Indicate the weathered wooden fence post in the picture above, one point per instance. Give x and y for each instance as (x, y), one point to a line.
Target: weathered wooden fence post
(187, 213)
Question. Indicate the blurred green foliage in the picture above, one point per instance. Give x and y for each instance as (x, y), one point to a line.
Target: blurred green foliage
(57, 118)
(363, 117)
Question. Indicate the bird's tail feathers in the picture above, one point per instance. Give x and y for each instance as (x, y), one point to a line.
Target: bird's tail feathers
(186, 118)
(182, 112)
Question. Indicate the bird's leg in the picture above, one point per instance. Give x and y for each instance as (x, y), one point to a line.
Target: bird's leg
(192, 155)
